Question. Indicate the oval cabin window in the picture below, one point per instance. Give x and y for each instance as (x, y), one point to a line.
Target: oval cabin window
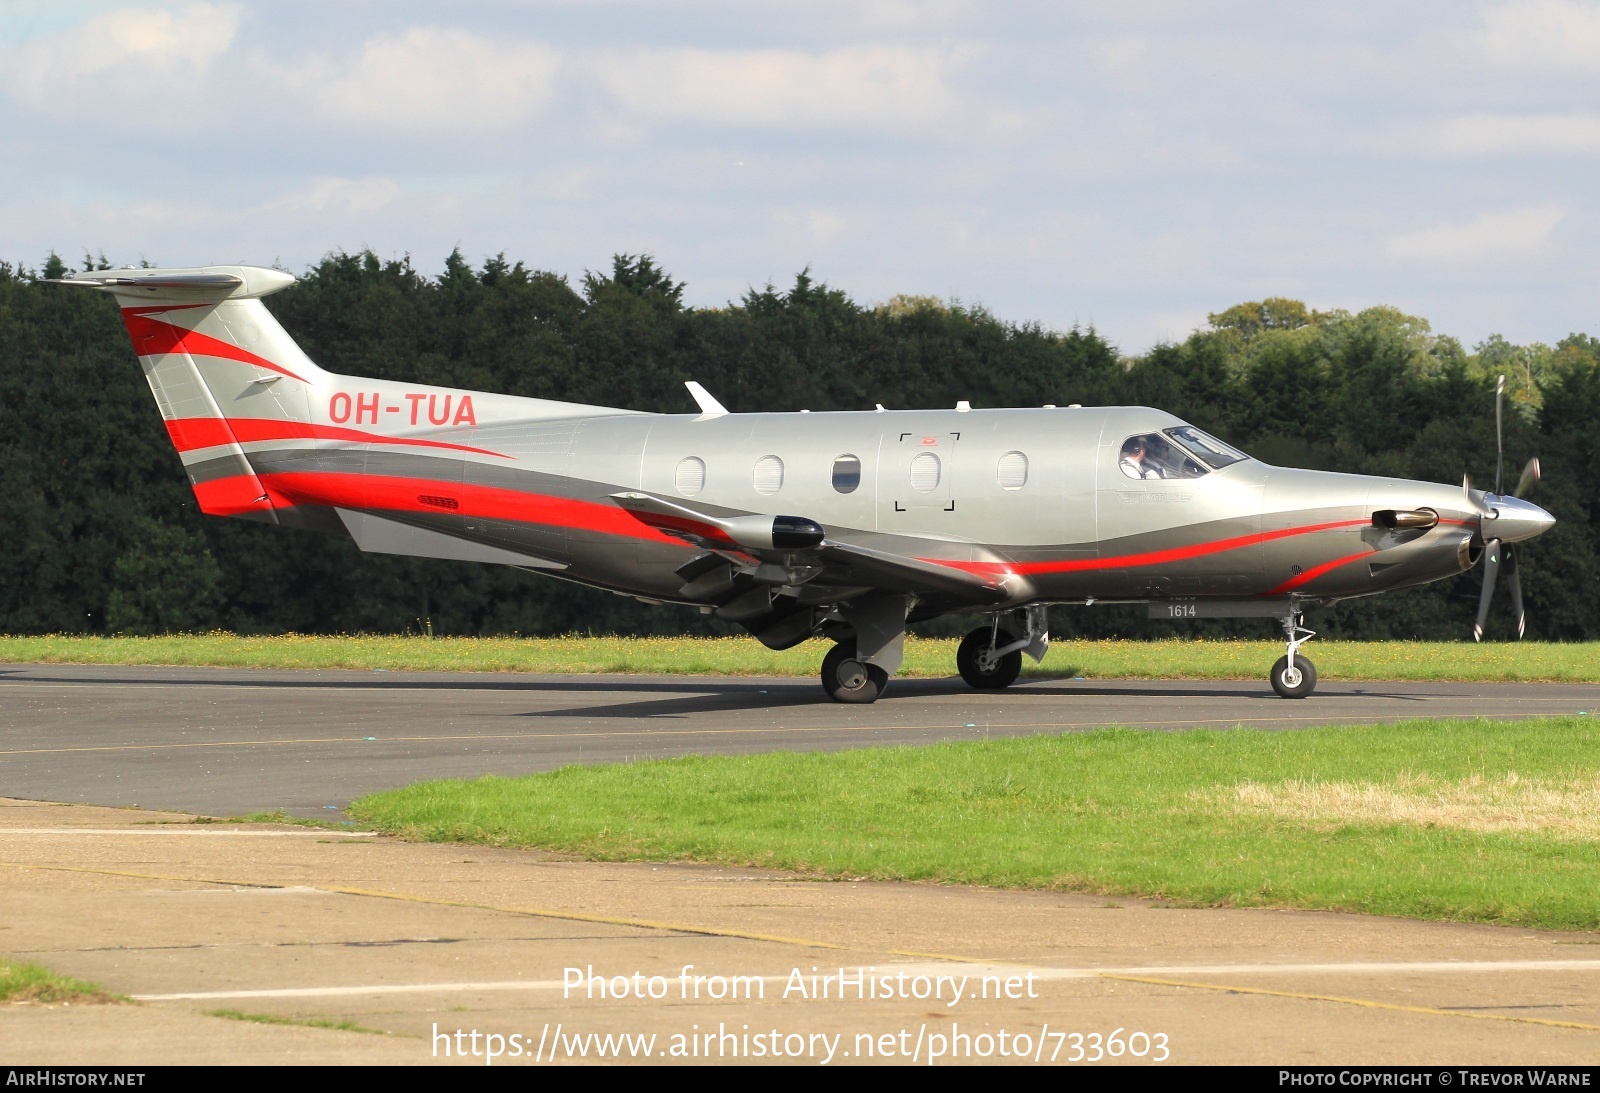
(925, 472)
(1013, 471)
(846, 473)
(769, 474)
(691, 476)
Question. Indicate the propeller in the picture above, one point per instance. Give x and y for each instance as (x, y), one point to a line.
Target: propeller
(1498, 555)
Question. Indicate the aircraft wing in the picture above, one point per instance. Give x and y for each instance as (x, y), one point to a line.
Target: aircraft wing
(793, 544)
(897, 572)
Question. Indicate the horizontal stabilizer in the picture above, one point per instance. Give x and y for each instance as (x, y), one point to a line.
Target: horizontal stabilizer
(377, 535)
(199, 285)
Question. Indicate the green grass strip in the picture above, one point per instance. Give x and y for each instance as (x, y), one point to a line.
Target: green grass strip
(1476, 821)
(927, 658)
(301, 1022)
(24, 982)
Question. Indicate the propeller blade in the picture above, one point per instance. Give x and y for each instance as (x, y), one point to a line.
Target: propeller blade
(1475, 500)
(1530, 475)
(1499, 436)
(1491, 569)
(1514, 580)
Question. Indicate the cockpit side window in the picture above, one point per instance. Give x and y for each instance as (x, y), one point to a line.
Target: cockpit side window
(1151, 455)
(1213, 452)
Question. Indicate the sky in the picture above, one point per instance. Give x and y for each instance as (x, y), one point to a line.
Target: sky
(1131, 166)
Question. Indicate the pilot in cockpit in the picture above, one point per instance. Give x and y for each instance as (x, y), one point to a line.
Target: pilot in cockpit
(1136, 461)
(1154, 456)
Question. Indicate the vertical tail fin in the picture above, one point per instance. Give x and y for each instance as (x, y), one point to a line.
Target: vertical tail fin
(223, 371)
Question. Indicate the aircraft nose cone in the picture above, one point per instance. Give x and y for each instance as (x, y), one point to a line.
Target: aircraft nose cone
(1515, 520)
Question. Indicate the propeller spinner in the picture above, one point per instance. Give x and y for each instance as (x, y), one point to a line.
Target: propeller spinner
(1504, 521)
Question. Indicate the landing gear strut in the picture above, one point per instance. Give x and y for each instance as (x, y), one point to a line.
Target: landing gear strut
(857, 669)
(1294, 676)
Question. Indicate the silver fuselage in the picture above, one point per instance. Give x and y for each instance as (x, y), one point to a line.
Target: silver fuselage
(951, 510)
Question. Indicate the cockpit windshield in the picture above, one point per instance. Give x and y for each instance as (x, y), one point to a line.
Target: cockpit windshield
(1212, 451)
(1184, 452)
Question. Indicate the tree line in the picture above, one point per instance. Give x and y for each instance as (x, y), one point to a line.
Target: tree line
(105, 536)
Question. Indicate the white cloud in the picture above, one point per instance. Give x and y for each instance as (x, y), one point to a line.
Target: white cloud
(112, 59)
(857, 87)
(1516, 135)
(346, 196)
(1515, 233)
(1542, 34)
(433, 78)
(814, 229)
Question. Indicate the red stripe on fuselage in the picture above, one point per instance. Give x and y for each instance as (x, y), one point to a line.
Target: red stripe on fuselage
(1318, 570)
(190, 433)
(373, 492)
(152, 338)
(1153, 557)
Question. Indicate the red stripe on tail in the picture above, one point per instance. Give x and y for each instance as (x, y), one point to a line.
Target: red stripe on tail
(189, 433)
(152, 338)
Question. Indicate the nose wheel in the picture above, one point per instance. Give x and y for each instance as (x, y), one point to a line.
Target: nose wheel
(1294, 676)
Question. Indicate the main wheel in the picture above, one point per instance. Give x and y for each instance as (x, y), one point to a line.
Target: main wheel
(847, 679)
(1002, 673)
(1296, 682)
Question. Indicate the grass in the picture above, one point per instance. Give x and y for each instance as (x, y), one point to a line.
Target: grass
(925, 657)
(23, 982)
(302, 1022)
(276, 816)
(1476, 821)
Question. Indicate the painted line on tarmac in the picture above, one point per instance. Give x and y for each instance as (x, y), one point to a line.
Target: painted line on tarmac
(946, 959)
(971, 970)
(1366, 1003)
(987, 727)
(187, 829)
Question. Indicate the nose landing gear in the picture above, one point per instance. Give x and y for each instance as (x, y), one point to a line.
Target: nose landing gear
(1294, 676)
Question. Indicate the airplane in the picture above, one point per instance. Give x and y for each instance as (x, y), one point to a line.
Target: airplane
(845, 525)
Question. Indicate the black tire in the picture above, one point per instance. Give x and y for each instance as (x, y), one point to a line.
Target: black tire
(1294, 688)
(847, 679)
(1003, 673)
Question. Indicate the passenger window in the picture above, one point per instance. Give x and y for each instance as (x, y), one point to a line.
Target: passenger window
(1012, 472)
(925, 472)
(691, 477)
(1152, 456)
(769, 474)
(846, 473)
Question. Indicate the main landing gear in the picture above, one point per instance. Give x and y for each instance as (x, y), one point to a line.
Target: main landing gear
(1294, 676)
(869, 649)
(858, 667)
(847, 679)
(990, 658)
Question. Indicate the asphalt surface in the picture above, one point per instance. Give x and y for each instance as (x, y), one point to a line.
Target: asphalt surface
(417, 941)
(226, 742)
